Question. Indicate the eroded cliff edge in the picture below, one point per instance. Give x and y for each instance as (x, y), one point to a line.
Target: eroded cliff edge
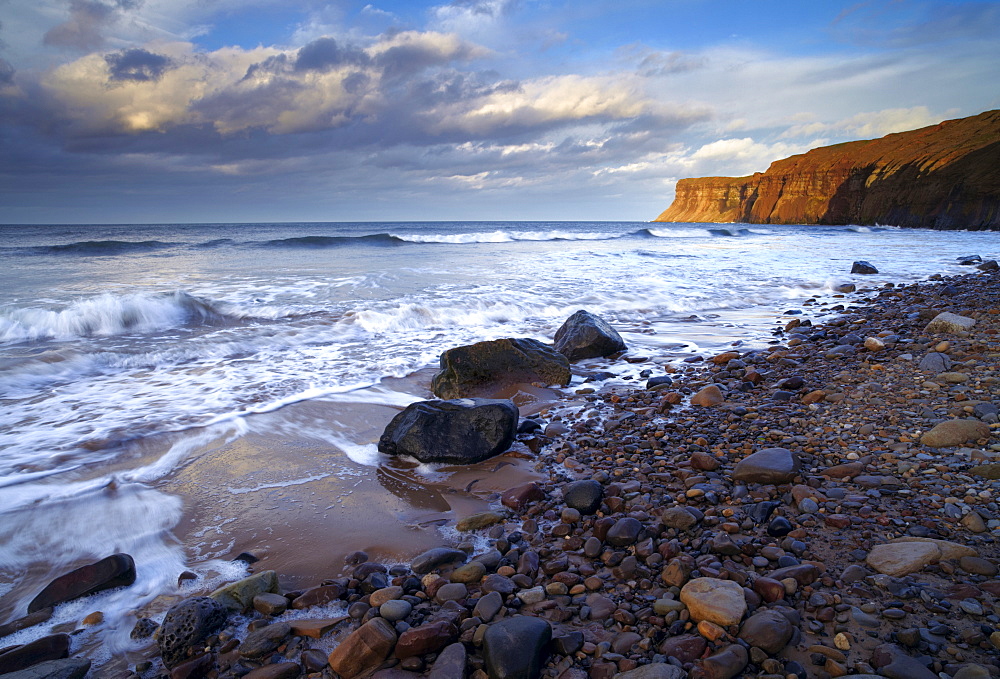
(945, 176)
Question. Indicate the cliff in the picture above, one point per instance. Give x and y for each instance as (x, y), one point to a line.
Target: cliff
(945, 176)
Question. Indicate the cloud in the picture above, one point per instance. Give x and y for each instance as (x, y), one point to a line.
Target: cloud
(87, 21)
(895, 24)
(869, 125)
(6, 73)
(324, 54)
(137, 65)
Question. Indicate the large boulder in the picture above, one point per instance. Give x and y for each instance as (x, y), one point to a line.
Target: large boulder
(54, 647)
(186, 625)
(949, 323)
(863, 267)
(476, 369)
(585, 335)
(67, 668)
(117, 570)
(238, 596)
(516, 647)
(460, 431)
(363, 649)
(955, 433)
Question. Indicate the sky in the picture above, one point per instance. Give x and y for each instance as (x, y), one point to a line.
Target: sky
(162, 111)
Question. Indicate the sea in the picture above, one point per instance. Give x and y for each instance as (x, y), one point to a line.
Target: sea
(187, 392)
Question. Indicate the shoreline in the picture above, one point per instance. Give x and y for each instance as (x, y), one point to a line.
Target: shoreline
(864, 479)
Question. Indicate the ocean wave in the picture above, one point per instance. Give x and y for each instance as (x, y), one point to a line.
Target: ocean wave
(384, 239)
(505, 237)
(102, 248)
(719, 231)
(217, 243)
(109, 314)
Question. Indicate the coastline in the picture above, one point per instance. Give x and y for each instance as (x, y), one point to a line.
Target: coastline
(864, 479)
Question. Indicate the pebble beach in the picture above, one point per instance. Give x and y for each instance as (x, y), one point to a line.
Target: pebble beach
(820, 508)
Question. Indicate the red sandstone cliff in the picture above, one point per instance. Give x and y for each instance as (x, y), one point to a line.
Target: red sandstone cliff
(946, 176)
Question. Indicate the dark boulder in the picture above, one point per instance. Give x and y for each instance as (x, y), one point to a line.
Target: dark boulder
(54, 647)
(67, 668)
(516, 648)
(117, 570)
(186, 625)
(585, 335)
(477, 369)
(461, 431)
(584, 496)
(863, 267)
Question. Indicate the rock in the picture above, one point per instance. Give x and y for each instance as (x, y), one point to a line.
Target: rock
(935, 362)
(67, 668)
(450, 663)
(584, 496)
(519, 497)
(435, 558)
(708, 397)
(117, 570)
(143, 629)
(624, 532)
(771, 465)
(281, 670)
(950, 323)
(53, 647)
(768, 630)
(488, 606)
(685, 647)
(427, 638)
(978, 566)
(974, 522)
(478, 521)
(585, 335)
(601, 607)
(718, 601)
(453, 591)
(516, 648)
(893, 662)
(874, 344)
(863, 267)
(186, 625)
(471, 572)
(363, 649)
(987, 471)
(27, 621)
(269, 603)
(899, 559)
(726, 663)
(238, 596)
(678, 518)
(394, 610)
(264, 640)
(950, 551)
(462, 431)
(657, 670)
(955, 433)
(316, 628)
(474, 369)
(317, 596)
(973, 672)
(989, 265)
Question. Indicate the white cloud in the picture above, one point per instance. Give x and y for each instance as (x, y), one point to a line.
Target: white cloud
(869, 125)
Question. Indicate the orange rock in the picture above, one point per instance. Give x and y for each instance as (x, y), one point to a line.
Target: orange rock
(363, 648)
(708, 397)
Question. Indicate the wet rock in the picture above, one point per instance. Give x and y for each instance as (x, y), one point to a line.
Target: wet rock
(899, 559)
(469, 370)
(726, 663)
(269, 603)
(188, 624)
(435, 558)
(143, 629)
(471, 572)
(427, 638)
(477, 521)
(53, 647)
(317, 628)
(624, 532)
(678, 518)
(282, 670)
(488, 606)
(708, 397)
(461, 431)
(584, 496)
(893, 662)
(27, 621)
(685, 647)
(949, 323)
(714, 600)
(67, 668)
(450, 663)
(863, 267)
(516, 648)
(265, 640)
(653, 671)
(771, 465)
(521, 496)
(117, 570)
(954, 433)
(768, 630)
(363, 649)
(238, 596)
(317, 596)
(584, 335)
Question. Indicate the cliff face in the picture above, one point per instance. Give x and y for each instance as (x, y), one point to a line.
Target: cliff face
(946, 176)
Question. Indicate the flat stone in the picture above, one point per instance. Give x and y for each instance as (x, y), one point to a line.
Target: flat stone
(935, 362)
(653, 671)
(516, 648)
(601, 607)
(685, 647)
(951, 551)
(955, 433)
(900, 559)
(53, 647)
(435, 558)
(478, 521)
(519, 497)
(771, 465)
(380, 596)
(488, 606)
(363, 649)
(117, 570)
(450, 663)
(978, 566)
(949, 323)
(453, 591)
(281, 670)
(264, 640)
(27, 621)
(316, 628)
(67, 668)
(238, 596)
(317, 596)
(270, 603)
(714, 600)
(427, 638)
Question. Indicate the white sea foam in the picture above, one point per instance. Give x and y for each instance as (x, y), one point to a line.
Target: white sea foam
(505, 236)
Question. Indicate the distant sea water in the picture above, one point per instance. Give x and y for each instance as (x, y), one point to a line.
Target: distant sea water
(129, 354)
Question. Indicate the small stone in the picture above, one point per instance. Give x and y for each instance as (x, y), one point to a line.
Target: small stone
(726, 663)
(427, 638)
(264, 640)
(624, 532)
(978, 566)
(521, 496)
(269, 603)
(471, 572)
(842, 642)
(678, 518)
(771, 465)
(394, 610)
(488, 606)
(768, 630)
(653, 671)
(238, 596)
(708, 397)
(453, 591)
(863, 267)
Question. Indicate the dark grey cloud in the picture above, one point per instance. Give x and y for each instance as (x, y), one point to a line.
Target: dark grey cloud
(325, 53)
(669, 63)
(137, 65)
(492, 8)
(87, 21)
(903, 25)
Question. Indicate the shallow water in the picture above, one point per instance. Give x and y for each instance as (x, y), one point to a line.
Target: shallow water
(187, 392)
